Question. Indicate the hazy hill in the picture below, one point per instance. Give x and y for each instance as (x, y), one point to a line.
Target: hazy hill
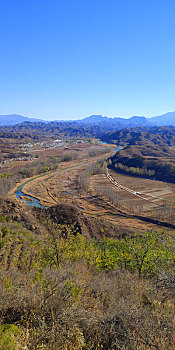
(13, 119)
(93, 119)
(165, 119)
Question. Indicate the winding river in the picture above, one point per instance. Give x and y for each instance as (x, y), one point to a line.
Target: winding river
(33, 201)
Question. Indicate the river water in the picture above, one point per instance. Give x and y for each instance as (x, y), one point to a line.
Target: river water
(31, 201)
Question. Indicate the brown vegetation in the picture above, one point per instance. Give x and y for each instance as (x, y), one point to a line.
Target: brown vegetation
(61, 291)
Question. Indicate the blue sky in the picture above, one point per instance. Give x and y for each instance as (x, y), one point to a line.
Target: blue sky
(72, 58)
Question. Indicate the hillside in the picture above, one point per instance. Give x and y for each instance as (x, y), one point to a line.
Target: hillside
(89, 127)
(52, 129)
(61, 290)
(147, 153)
(157, 135)
(75, 129)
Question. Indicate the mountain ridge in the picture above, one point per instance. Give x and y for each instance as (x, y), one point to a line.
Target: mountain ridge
(119, 122)
(162, 120)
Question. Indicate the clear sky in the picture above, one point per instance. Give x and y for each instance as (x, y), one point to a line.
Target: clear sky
(67, 59)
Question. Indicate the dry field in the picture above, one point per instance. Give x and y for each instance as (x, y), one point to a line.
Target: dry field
(149, 194)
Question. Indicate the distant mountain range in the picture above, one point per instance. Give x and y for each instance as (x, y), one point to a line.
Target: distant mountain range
(161, 120)
(114, 122)
(107, 122)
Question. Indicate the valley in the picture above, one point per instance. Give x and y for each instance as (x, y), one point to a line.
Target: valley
(123, 200)
(83, 223)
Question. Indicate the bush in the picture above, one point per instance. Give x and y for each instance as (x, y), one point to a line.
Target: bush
(98, 168)
(9, 337)
(67, 157)
(96, 151)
